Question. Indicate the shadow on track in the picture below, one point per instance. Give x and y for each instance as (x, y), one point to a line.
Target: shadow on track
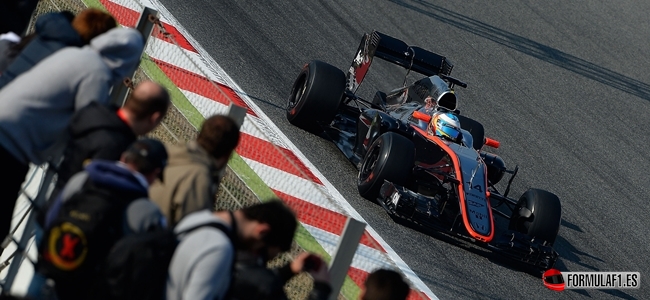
(570, 225)
(565, 249)
(530, 47)
(569, 252)
(618, 294)
(468, 246)
(258, 99)
(458, 287)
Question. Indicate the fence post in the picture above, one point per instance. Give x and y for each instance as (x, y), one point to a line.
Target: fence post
(344, 253)
(145, 25)
(237, 113)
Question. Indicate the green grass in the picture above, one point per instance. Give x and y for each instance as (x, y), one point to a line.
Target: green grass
(94, 4)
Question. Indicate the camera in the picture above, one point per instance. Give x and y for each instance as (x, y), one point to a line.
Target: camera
(312, 263)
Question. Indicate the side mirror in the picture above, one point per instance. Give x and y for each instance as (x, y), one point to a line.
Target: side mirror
(418, 115)
(492, 143)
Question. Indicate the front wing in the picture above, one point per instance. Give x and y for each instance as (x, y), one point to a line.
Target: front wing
(423, 211)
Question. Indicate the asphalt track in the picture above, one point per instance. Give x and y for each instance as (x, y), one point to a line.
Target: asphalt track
(563, 85)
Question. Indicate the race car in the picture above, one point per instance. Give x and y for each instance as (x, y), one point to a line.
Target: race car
(418, 176)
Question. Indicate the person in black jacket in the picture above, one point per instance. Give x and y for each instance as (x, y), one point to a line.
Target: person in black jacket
(100, 132)
(253, 280)
(53, 32)
(108, 200)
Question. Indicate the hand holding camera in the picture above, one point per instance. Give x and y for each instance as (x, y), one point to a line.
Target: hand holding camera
(312, 264)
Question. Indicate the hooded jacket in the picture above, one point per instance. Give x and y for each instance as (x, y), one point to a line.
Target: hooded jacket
(191, 181)
(115, 177)
(201, 266)
(96, 132)
(36, 107)
(121, 184)
(111, 176)
(53, 32)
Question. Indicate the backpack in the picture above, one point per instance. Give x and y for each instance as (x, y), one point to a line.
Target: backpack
(77, 241)
(137, 266)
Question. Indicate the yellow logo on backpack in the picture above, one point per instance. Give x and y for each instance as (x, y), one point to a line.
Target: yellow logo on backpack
(67, 246)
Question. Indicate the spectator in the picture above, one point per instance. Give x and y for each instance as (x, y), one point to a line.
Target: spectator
(91, 22)
(101, 132)
(195, 169)
(253, 280)
(53, 32)
(35, 109)
(385, 284)
(114, 195)
(202, 263)
(8, 42)
(15, 15)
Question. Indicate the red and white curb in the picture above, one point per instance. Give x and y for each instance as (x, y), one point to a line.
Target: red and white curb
(289, 174)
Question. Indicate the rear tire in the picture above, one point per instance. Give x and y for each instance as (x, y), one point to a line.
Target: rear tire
(390, 157)
(538, 214)
(316, 95)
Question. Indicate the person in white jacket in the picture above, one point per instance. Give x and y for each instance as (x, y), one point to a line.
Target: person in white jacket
(201, 268)
(36, 107)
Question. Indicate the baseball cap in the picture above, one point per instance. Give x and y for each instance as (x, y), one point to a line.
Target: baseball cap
(150, 154)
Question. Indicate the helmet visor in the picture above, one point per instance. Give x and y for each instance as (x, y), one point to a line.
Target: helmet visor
(449, 132)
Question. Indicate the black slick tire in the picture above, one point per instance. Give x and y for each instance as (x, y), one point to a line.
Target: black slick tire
(538, 214)
(390, 157)
(315, 96)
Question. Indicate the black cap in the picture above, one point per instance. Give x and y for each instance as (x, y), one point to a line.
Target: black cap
(149, 155)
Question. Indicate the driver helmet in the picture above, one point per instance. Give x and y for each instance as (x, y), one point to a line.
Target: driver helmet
(445, 125)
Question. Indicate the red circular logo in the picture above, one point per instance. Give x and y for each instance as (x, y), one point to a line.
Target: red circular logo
(553, 280)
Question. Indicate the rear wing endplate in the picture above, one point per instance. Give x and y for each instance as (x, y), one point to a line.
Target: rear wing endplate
(377, 44)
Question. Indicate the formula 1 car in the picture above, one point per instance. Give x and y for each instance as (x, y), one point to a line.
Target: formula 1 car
(416, 176)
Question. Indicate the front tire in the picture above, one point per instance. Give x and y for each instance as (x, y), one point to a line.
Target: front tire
(316, 95)
(538, 214)
(390, 157)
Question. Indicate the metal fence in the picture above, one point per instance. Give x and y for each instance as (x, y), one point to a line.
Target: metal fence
(265, 165)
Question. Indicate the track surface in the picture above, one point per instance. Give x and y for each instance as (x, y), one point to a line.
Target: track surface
(563, 86)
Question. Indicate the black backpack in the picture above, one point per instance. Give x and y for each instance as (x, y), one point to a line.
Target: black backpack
(76, 243)
(137, 266)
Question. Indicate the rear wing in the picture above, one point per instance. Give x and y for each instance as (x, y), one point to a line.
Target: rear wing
(377, 44)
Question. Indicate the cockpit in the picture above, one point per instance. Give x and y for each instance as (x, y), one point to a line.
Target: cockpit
(428, 95)
(425, 92)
